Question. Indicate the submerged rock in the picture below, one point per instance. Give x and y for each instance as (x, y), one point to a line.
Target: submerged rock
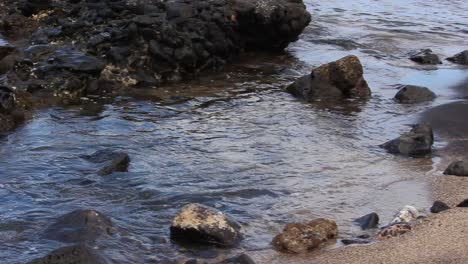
(438, 207)
(76, 254)
(425, 56)
(394, 231)
(198, 223)
(114, 161)
(406, 215)
(416, 143)
(240, 259)
(368, 221)
(79, 226)
(303, 237)
(414, 94)
(339, 79)
(457, 168)
(460, 58)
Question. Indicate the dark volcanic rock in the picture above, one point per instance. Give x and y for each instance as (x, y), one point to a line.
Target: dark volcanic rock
(463, 204)
(114, 161)
(368, 221)
(79, 226)
(416, 143)
(438, 207)
(460, 58)
(198, 223)
(355, 241)
(303, 237)
(414, 94)
(339, 79)
(425, 56)
(77, 254)
(457, 168)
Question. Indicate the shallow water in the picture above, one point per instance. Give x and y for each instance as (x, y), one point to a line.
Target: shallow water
(236, 141)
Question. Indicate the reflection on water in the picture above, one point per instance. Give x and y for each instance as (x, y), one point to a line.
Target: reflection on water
(236, 141)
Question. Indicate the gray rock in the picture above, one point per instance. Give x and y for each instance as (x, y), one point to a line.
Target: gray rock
(416, 143)
(76, 254)
(368, 221)
(114, 161)
(425, 56)
(438, 207)
(198, 223)
(457, 168)
(414, 94)
(460, 58)
(339, 79)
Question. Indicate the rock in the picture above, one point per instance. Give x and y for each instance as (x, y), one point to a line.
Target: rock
(406, 215)
(368, 221)
(457, 168)
(10, 113)
(303, 237)
(239, 259)
(198, 223)
(5, 48)
(79, 226)
(114, 161)
(414, 94)
(340, 79)
(394, 231)
(438, 207)
(463, 204)
(425, 56)
(76, 254)
(73, 60)
(416, 143)
(347, 242)
(460, 58)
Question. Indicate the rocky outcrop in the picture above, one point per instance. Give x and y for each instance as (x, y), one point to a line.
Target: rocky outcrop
(460, 58)
(76, 254)
(457, 168)
(406, 215)
(79, 226)
(112, 161)
(368, 221)
(438, 207)
(196, 223)
(339, 79)
(414, 94)
(303, 237)
(394, 231)
(416, 143)
(425, 56)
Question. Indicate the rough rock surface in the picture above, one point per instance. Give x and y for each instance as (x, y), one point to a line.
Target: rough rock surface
(414, 94)
(460, 58)
(438, 207)
(114, 161)
(339, 79)
(303, 237)
(457, 168)
(394, 231)
(425, 56)
(368, 221)
(416, 143)
(406, 215)
(76, 254)
(202, 224)
(79, 226)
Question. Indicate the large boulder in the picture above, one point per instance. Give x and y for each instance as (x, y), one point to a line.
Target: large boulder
(460, 58)
(303, 237)
(425, 56)
(414, 94)
(339, 79)
(368, 221)
(76, 254)
(416, 143)
(457, 168)
(112, 161)
(79, 226)
(198, 223)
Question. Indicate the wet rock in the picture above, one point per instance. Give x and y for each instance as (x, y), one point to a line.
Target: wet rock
(5, 49)
(347, 242)
(438, 207)
(31, 7)
(198, 223)
(10, 113)
(76, 254)
(240, 259)
(457, 168)
(79, 226)
(303, 237)
(406, 215)
(368, 221)
(463, 204)
(394, 231)
(416, 143)
(114, 161)
(414, 94)
(340, 79)
(425, 56)
(460, 58)
(73, 60)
